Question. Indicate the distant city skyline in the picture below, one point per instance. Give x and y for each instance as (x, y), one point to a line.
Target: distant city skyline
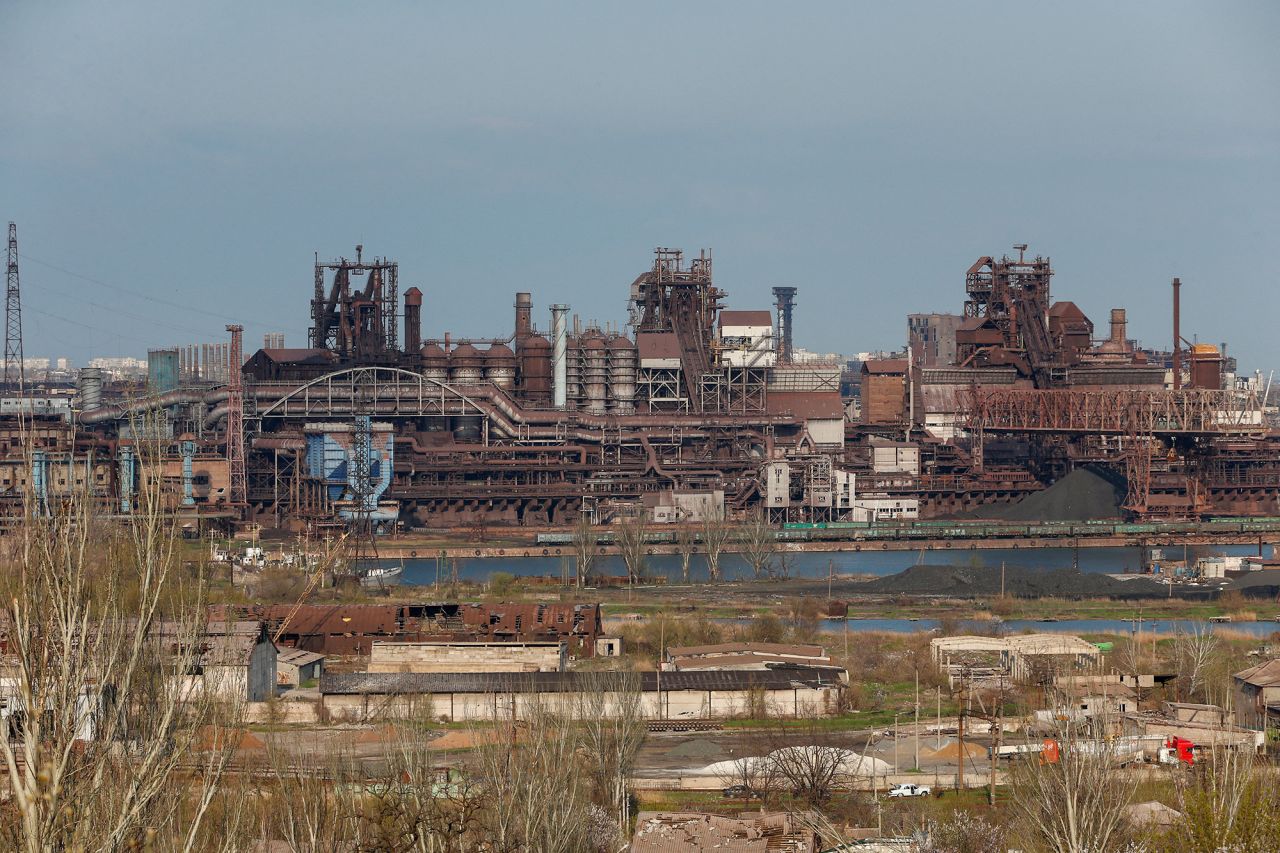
(173, 170)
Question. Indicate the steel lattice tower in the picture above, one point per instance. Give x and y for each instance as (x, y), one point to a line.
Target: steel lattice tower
(235, 418)
(13, 375)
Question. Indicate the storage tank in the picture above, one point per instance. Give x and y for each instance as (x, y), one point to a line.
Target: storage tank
(500, 366)
(622, 375)
(162, 370)
(535, 368)
(90, 388)
(466, 366)
(595, 374)
(435, 363)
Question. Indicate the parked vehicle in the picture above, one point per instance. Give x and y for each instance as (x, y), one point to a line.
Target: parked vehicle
(908, 790)
(741, 792)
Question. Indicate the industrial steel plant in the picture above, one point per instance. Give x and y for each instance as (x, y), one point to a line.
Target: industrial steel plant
(686, 410)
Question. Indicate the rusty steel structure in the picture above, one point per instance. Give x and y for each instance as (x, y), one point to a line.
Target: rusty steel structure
(14, 375)
(351, 320)
(691, 408)
(1112, 411)
(370, 430)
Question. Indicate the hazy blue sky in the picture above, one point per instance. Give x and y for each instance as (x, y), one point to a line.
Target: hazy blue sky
(198, 154)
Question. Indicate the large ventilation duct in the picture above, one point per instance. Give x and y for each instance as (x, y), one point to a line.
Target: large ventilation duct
(786, 303)
(559, 356)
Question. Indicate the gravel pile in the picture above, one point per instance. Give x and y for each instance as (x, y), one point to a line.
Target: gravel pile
(967, 581)
(1082, 495)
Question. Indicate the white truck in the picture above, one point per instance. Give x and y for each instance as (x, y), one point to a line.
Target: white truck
(908, 790)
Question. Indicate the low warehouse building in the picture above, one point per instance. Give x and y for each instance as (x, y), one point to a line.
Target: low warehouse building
(749, 656)
(665, 695)
(467, 657)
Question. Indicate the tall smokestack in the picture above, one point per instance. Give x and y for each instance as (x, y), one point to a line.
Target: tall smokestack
(786, 297)
(524, 316)
(1118, 327)
(412, 320)
(559, 360)
(1177, 335)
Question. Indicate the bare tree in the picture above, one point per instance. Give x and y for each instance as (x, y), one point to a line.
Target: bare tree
(631, 542)
(716, 532)
(536, 795)
(757, 774)
(686, 547)
(102, 712)
(811, 763)
(758, 543)
(1071, 800)
(611, 718)
(1194, 652)
(584, 546)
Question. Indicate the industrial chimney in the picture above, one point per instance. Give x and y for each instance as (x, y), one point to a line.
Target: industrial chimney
(1119, 335)
(559, 356)
(412, 320)
(786, 297)
(524, 316)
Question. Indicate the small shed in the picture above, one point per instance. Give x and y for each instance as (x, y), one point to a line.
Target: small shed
(297, 666)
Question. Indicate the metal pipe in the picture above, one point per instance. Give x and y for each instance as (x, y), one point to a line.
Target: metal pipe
(559, 359)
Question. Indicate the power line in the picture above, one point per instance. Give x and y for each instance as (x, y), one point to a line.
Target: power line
(130, 291)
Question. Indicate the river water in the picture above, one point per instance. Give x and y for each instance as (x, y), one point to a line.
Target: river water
(805, 564)
(1125, 627)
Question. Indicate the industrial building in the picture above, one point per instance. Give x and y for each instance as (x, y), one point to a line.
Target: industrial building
(382, 425)
(665, 696)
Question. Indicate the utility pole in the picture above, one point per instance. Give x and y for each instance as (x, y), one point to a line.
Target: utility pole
(937, 692)
(895, 743)
(999, 739)
(14, 378)
(917, 712)
(960, 729)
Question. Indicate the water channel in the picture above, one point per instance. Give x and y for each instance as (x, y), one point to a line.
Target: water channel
(805, 564)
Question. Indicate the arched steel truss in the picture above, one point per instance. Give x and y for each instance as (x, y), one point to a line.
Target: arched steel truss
(373, 391)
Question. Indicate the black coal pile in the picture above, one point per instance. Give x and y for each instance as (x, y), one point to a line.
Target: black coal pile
(1082, 495)
(968, 581)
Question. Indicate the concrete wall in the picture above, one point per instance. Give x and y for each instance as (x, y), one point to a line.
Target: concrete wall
(466, 657)
(684, 704)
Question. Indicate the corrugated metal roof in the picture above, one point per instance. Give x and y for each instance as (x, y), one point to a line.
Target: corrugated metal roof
(298, 657)
(816, 405)
(658, 345)
(1265, 674)
(298, 354)
(745, 318)
(396, 683)
(885, 366)
(798, 650)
